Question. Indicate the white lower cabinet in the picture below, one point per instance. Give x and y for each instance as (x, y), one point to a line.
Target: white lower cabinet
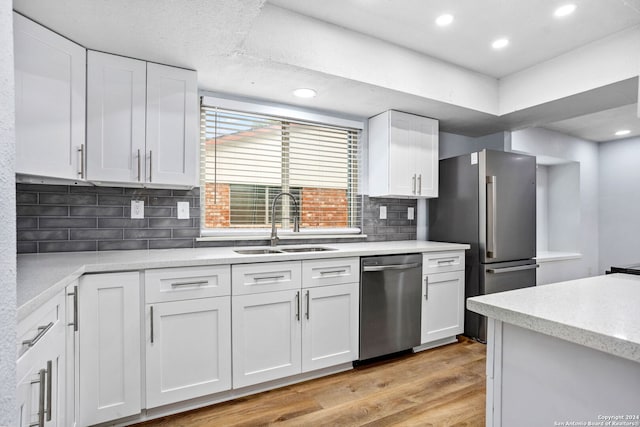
(443, 308)
(40, 367)
(109, 341)
(442, 305)
(188, 349)
(266, 337)
(329, 326)
(302, 328)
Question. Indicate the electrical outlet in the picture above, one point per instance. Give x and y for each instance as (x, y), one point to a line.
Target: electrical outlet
(410, 213)
(183, 210)
(383, 212)
(137, 209)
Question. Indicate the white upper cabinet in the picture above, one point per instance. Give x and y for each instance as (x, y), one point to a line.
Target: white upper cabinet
(142, 122)
(50, 102)
(172, 125)
(403, 155)
(116, 96)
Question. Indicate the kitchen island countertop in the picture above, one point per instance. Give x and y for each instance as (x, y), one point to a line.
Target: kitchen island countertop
(41, 276)
(600, 312)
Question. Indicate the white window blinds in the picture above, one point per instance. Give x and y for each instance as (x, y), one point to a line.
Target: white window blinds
(247, 159)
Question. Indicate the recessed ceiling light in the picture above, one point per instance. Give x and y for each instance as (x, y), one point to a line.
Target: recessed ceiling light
(305, 93)
(500, 43)
(565, 10)
(444, 20)
(623, 132)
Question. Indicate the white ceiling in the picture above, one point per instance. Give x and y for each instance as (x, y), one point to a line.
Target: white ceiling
(224, 39)
(535, 35)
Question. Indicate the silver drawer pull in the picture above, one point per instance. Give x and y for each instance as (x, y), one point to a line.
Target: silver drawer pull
(196, 283)
(333, 272)
(41, 331)
(446, 261)
(255, 279)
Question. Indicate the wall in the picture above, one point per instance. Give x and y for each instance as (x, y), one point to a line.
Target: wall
(543, 142)
(451, 145)
(619, 202)
(8, 410)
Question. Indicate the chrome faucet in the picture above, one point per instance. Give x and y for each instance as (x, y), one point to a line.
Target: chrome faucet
(296, 225)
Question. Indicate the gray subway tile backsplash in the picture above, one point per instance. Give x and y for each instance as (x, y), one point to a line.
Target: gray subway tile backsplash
(59, 218)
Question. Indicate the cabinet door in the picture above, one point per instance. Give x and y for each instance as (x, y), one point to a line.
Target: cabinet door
(116, 103)
(266, 338)
(425, 157)
(329, 326)
(172, 125)
(50, 101)
(188, 349)
(109, 339)
(40, 390)
(402, 136)
(442, 305)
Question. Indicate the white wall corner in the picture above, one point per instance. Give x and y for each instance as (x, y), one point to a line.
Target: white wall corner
(8, 406)
(600, 63)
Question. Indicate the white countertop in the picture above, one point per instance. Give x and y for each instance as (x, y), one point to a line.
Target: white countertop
(42, 276)
(600, 312)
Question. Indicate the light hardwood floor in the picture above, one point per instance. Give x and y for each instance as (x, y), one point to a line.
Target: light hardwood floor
(439, 387)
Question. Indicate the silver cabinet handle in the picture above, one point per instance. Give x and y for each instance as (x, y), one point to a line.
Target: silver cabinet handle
(390, 267)
(41, 331)
(41, 381)
(420, 184)
(308, 307)
(446, 261)
(511, 269)
(139, 165)
(150, 166)
(414, 184)
(49, 408)
(492, 182)
(298, 306)
(333, 272)
(426, 288)
(74, 294)
(81, 151)
(255, 279)
(151, 319)
(195, 283)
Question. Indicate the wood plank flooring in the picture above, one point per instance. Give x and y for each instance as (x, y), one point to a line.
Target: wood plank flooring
(438, 387)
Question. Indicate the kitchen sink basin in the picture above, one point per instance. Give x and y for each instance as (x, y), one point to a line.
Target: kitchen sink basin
(308, 249)
(280, 250)
(256, 251)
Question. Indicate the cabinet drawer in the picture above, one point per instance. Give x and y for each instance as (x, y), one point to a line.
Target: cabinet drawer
(441, 262)
(334, 271)
(33, 328)
(173, 284)
(265, 277)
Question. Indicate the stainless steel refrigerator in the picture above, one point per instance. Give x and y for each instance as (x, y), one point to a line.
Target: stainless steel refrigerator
(488, 199)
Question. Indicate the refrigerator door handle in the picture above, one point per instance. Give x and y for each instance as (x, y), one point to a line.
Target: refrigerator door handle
(492, 183)
(510, 269)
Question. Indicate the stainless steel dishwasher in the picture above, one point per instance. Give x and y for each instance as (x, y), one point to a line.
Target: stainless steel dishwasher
(390, 304)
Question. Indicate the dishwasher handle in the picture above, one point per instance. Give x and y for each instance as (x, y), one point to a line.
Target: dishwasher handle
(369, 268)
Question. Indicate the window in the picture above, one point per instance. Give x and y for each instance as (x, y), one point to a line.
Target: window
(248, 159)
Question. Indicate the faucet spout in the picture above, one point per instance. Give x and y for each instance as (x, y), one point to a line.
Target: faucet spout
(296, 225)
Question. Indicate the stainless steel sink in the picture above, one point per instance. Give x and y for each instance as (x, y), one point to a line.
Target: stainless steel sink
(308, 249)
(257, 251)
(279, 250)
